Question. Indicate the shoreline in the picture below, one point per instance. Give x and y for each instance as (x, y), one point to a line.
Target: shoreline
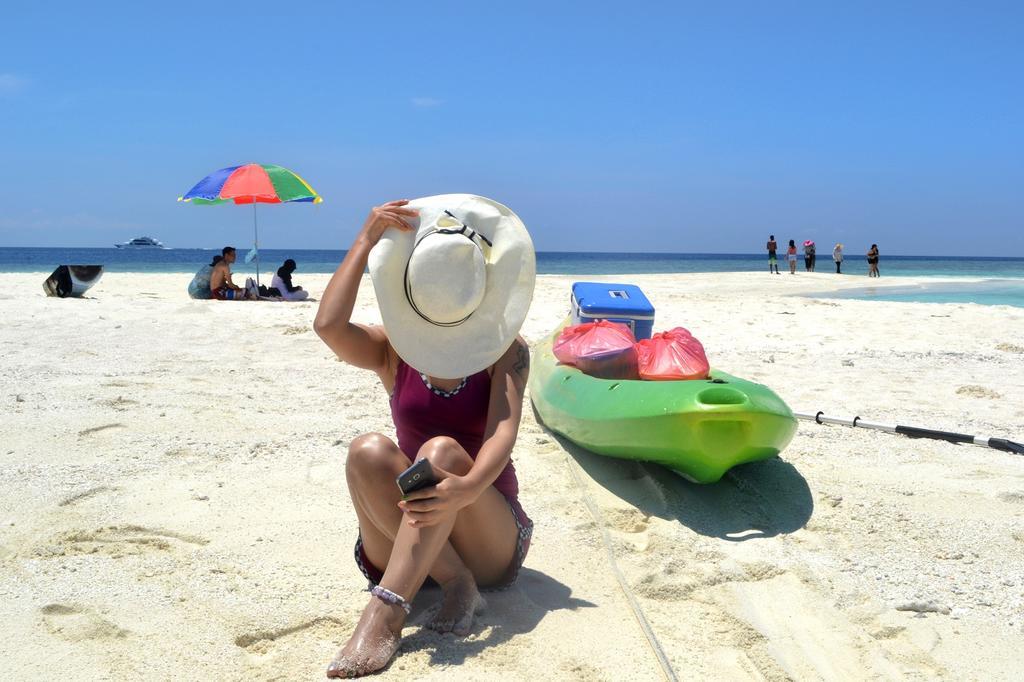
(842, 280)
(812, 285)
(187, 261)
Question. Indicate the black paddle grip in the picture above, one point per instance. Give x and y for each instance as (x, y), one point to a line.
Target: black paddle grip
(1006, 445)
(915, 432)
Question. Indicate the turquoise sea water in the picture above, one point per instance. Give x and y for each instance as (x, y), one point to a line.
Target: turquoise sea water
(325, 261)
(569, 263)
(986, 292)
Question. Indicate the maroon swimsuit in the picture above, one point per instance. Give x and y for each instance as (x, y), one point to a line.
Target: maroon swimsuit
(421, 412)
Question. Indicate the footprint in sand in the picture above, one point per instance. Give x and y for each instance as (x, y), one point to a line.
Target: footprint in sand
(888, 632)
(181, 452)
(627, 519)
(975, 391)
(322, 473)
(840, 648)
(97, 429)
(76, 624)
(120, 403)
(121, 383)
(75, 498)
(743, 651)
(681, 582)
(117, 541)
(579, 670)
(326, 628)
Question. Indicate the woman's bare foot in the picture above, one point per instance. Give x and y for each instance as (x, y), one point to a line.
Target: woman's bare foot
(373, 643)
(460, 602)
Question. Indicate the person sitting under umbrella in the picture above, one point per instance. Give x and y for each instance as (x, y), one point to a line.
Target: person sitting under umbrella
(221, 286)
(199, 287)
(283, 282)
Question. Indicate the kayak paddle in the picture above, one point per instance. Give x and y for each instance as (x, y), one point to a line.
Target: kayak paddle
(916, 432)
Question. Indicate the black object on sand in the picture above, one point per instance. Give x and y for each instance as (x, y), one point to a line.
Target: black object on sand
(916, 432)
(72, 280)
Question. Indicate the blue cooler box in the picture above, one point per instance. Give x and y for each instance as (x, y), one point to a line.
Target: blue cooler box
(625, 303)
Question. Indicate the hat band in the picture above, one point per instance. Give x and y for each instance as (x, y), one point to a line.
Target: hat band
(471, 236)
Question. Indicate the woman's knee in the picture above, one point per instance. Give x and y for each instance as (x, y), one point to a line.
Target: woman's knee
(371, 453)
(446, 453)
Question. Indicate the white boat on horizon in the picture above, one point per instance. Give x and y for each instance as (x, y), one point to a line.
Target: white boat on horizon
(141, 243)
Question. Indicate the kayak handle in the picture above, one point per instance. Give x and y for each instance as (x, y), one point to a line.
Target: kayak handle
(722, 397)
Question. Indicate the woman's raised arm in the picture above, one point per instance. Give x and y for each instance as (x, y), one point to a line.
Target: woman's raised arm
(359, 345)
(505, 410)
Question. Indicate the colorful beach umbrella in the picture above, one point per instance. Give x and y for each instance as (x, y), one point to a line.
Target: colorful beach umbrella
(252, 183)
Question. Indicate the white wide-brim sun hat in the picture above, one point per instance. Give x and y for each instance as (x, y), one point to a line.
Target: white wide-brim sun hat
(454, 292)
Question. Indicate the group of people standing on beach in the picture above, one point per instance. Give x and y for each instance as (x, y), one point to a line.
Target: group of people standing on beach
(810, 256)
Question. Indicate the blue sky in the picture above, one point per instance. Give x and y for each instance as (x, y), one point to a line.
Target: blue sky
(643, 126)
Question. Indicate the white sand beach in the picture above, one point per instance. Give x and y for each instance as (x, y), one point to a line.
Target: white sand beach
(173, 504)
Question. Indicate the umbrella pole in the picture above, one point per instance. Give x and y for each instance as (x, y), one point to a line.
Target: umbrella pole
(256, 242)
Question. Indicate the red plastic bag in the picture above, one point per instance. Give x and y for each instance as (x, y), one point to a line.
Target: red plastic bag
(672, 355)
(601, 349)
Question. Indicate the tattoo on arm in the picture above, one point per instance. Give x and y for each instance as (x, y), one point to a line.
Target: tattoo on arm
(522, 366)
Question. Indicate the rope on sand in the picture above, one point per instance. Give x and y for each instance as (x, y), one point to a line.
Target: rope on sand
(595, 513)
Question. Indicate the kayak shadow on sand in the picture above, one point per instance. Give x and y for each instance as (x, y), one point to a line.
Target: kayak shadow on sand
(509, 613)
(755, 500)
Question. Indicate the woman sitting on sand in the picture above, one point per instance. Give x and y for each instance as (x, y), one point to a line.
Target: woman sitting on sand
(283, 282)
(454, 278)
(199, 287)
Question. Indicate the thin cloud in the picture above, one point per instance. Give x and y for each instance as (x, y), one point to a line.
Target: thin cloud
(426, 102)
(10, 83)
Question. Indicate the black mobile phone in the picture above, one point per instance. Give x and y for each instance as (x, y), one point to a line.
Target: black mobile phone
(419, 475)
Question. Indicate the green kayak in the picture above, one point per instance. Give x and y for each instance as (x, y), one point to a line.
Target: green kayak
(699, 428)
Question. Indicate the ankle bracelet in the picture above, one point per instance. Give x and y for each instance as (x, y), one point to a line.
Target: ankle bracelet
(389, 597)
